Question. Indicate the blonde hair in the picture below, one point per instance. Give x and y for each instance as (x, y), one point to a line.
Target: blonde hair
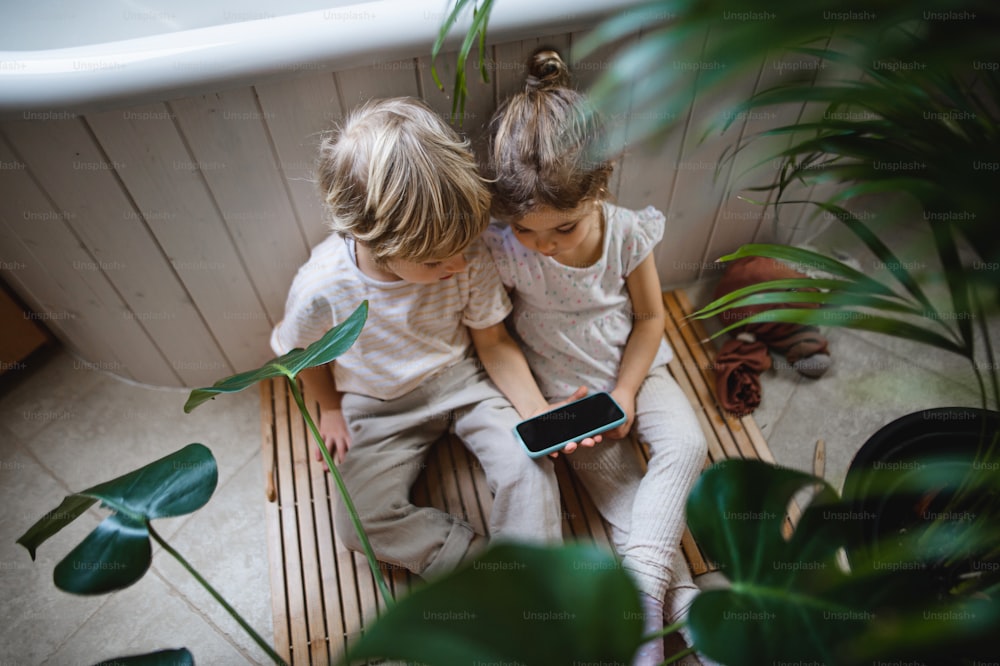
(545, 144)
(400, 181)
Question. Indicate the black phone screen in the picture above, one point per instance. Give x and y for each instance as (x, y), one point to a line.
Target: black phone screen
(569, 422)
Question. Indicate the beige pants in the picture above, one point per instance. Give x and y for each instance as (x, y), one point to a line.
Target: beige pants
(390, 441)
(646, 511)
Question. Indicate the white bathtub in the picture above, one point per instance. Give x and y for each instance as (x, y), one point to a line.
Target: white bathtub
(62, 55)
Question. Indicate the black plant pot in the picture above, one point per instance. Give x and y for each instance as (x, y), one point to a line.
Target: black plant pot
(906, 473)
(903, 480)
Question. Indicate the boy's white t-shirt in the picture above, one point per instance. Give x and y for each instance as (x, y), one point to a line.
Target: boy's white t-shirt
(572, 322)
(413, 331)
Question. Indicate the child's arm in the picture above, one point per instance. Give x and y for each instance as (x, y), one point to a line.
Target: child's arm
(504, 362)
(643, 286)
(332, 427)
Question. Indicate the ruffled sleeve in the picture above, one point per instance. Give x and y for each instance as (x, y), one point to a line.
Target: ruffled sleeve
(646, 231)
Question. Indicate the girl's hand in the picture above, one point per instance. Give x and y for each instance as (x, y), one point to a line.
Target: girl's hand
(589, 441)
(627, 401)
(333, 430)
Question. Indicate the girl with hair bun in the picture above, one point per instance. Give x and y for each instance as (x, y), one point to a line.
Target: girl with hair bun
(588, 311)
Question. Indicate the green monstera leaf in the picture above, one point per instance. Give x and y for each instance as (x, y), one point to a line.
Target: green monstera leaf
(334, 343)
(118, 552)
(795, 600)
(789, 599)
(515, 604)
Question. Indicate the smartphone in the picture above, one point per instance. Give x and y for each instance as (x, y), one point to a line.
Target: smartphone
(553, 430)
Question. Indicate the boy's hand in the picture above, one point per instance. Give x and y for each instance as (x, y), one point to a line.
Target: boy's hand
(589, 441)
(627, 401)
(333, 430)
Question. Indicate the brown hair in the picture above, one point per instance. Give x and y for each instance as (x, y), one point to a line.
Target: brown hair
(545, 144)
(400, 181)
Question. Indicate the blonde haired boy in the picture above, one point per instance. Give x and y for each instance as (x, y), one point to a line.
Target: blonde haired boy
(408, 208)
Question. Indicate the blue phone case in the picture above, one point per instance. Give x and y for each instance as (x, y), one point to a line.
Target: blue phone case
(567, 407)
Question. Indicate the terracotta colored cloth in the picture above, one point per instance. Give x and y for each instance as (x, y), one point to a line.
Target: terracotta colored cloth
(737, 375)
(740, 362)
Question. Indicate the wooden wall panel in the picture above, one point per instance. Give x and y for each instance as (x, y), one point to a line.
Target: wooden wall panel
(739, 219)
(790, 222)
(812, 221)
(471, 121)
(699, 186)
(227, 135)
(178, 208)
(297, 111)
(586, 71)
(77, 176)
(397, 78)
(44, 261)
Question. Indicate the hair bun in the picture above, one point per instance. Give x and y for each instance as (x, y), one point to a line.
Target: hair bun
(546, 69)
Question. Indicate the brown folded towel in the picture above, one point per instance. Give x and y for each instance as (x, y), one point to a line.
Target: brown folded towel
(737, 374)
(740, 362)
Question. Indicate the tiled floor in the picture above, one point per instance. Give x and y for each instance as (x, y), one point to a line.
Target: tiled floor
(64, 427)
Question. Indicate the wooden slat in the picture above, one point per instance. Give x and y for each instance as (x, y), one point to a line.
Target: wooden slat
(689, 378)
(296, 591)
(323, 594)
(341, 593)
(716, 450)
(696, 561)
(308, 548)
(348, 592)
(327, 560)
(331, 640)
(367, 592)
(272, 513)
(728, 427)
(581, 521)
